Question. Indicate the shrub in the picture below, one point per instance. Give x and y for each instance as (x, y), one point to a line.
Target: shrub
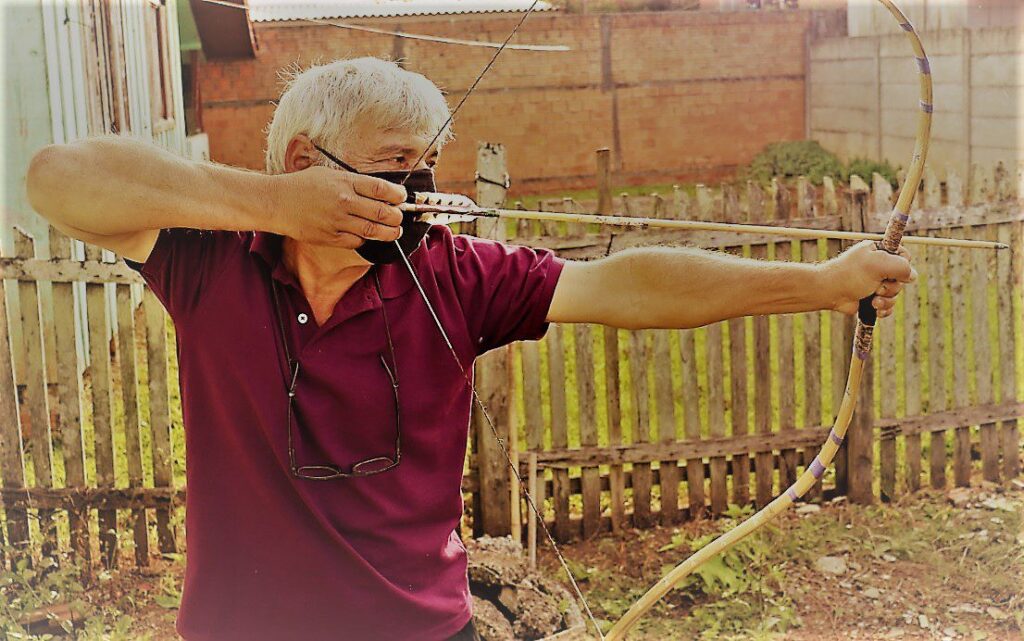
(865, 167)
(794, 158)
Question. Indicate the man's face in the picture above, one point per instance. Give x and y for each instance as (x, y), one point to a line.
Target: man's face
(373, 150)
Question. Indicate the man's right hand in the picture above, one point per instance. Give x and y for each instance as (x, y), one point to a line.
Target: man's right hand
(330, 207)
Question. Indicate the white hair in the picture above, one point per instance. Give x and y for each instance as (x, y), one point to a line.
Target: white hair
(326, 101)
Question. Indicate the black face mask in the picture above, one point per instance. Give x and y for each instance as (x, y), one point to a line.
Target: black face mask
(380, 252)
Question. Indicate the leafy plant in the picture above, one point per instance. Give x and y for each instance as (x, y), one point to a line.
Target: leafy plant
(793, 158)
(865, 167)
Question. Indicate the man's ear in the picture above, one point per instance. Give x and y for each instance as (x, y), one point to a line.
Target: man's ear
(300, 154)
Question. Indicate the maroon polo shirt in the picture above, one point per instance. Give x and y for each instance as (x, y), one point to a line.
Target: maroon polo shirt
(271, 556)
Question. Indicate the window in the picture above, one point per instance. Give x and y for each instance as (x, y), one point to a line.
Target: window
(161, 94)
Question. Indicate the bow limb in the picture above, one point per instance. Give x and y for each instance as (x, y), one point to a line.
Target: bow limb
(861, 350)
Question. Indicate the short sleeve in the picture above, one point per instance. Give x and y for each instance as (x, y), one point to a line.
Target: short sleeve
(505, 290)
(182, 266)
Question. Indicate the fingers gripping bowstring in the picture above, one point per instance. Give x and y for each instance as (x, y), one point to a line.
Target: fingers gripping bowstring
(465, 374)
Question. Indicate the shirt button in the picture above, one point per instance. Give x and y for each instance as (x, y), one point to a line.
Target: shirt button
(302, 319)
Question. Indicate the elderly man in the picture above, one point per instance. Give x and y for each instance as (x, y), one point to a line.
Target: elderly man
(326, 419)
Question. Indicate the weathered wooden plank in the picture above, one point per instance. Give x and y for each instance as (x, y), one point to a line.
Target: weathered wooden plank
(159, 414)
(812, 362)
(809, 437)
(959, 297)
(691, 421)
(785, 355)
(559, 427)
(35, 413)
(664, 403)
(639, 357)
(130, 402)
(840, 348)
(69, 389)
(587, 399)
(617, 487)
(885, 339)
(80, 499)
(12, 457)
(913, 380)
(738, 399)
(1007, 278)
(532, 404)
(764, 481)
(102, 414)
(983, 264)
(719, 469)
(67, 271)
(937, 395)
(860, 439)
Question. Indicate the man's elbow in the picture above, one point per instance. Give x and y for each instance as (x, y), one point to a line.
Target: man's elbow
(47, 179)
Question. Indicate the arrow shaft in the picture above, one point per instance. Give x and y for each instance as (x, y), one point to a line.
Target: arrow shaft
(689, 225)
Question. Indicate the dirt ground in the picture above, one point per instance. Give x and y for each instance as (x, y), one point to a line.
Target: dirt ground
(944, 566)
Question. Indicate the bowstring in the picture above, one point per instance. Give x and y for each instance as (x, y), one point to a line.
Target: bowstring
(444, 334)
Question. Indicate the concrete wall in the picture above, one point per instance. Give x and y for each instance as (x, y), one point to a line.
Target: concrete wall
(871, 18)
(864, 93)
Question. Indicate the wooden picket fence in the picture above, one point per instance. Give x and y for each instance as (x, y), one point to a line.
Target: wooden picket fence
(622, 428)
(85, 408)
(616, 428)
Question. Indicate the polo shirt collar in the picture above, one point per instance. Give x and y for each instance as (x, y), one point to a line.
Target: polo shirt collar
(394, 279)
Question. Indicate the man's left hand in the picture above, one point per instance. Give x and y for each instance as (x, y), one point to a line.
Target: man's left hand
(865, 269)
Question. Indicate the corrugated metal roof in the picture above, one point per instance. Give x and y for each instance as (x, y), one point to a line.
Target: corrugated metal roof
(271, 10)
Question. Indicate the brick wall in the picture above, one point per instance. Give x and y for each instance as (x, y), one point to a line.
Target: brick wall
(676, 95)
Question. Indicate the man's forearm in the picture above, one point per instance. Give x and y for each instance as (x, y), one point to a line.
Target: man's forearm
(116, 185)
(682, 287)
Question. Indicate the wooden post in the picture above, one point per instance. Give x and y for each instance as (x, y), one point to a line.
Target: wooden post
(860, 439)
(159, 413)
(604, 181)
(531, 527)
(493, 371)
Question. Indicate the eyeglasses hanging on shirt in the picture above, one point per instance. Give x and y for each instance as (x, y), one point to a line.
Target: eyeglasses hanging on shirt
(329, 471)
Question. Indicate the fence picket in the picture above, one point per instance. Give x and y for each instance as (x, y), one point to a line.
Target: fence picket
(691, 420)
(559, 430)
(69, 390)
(1008, 267)
(35, 413)
(785, 356)
(130, 402)
(664, 403)
(616, 478)
(812, 365)
(99, 380)
(639, 355)
(586, 394)
(738, 402)
(958, 295)
(937, 398)
(885, 333)
(913, 380)
(718, 465)
(159, 413)
(12, 453)
(840, 347)
(764, 462)
(983, 264)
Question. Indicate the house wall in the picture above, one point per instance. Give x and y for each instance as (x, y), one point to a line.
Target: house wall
(676, 95)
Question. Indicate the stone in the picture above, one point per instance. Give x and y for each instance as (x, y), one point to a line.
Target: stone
(834, 565)
(872, 593)
(889, 558)
(808, 508)
(999, 503)
(490, 623)
(537, 616)
(495, 561)
(959, 496)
